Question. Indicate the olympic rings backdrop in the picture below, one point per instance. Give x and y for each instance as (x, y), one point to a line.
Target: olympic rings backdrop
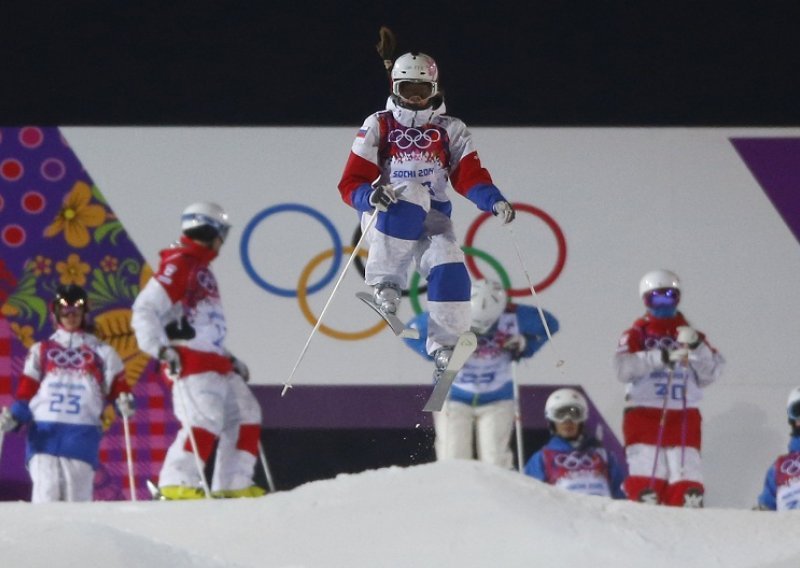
(305, 288)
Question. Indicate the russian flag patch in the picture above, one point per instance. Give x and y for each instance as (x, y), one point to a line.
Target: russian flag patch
(362, 133)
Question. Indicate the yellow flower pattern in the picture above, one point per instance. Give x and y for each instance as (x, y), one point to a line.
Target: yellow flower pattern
(73, 271)
(76, 216)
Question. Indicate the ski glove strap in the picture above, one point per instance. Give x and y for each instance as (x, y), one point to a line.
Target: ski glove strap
(382, 197)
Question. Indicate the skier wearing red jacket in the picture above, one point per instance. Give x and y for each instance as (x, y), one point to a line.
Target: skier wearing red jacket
(666, 364)
(178, 319)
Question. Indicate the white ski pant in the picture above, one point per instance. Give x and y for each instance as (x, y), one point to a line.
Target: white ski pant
(410, 232)
(492, 425)
(60, 479)
(224, 407)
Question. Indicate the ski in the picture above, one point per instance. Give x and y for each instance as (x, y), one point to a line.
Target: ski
(463, 349)
(394, 322)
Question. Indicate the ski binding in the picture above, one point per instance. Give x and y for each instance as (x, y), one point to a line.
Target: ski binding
(462, 351)
(394, 322)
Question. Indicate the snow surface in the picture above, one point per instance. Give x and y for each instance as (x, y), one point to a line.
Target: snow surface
(458, 513)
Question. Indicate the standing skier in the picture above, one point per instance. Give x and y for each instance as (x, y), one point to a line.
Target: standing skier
(666, 364)
(66, 382)
(782, 482)
(178, 319)
(481, 402)
(400, 164)
(572, 459)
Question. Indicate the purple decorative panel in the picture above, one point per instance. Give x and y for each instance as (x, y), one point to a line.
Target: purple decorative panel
(775, 163)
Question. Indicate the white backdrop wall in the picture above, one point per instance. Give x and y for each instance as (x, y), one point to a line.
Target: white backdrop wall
(627, 200)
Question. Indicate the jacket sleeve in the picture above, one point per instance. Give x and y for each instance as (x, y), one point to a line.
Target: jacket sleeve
(149, 312)
(615, 478)
(467, 175)
(114, 372)
(631, 362)
(362, 169)
(707, 364)
(531, 326)
(767, 498)
(420, 323)
(535, 467)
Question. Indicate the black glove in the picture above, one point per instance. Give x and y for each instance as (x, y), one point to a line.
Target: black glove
(179, 329)
(382, 197)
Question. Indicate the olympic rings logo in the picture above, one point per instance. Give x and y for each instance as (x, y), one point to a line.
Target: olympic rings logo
(791, 467)
(422, 139)
(665, 342)
(576, 460)
(206, 280)
(305, 288)
(69, 358)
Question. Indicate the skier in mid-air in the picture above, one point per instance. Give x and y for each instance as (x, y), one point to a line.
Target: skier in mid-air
(400, 164)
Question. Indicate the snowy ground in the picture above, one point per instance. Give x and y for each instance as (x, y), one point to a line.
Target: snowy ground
(443, 514)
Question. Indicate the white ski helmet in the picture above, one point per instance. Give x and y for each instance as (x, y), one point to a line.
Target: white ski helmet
(793, 404)
(566, 404)
(656, 279)
(205, 221)
(415, 68)
(487, 303)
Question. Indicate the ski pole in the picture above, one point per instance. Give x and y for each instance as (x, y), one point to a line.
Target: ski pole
(288, 384)
(559, 360)
(684, 418)
(661, 427)
(263, 457)
(517, 419)
(129, 456)
(178, 386)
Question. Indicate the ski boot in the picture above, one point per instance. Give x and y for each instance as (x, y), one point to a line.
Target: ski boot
(386, 296)
(384, 300)
(447, 363)
(441, 358)
(693, 498)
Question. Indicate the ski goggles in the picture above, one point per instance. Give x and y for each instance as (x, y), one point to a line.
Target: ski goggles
(794, 410)
(67, 309)
(571, 412)
(662, 298)
(408, 89)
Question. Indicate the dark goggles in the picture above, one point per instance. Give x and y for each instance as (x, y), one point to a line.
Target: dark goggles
(572, 412)
(794, 410)
(662, 298)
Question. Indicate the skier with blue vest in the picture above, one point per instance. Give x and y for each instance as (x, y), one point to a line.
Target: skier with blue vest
(782, 483)
(572, 459)
(482, 396)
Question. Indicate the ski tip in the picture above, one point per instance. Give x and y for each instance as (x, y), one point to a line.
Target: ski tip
(286, 387)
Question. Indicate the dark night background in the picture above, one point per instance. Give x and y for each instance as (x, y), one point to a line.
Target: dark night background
(551, 63)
